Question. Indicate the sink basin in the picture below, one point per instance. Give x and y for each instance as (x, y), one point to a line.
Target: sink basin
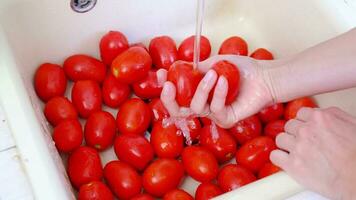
(33, 32)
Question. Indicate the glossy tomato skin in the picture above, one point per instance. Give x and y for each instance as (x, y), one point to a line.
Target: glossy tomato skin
(133, 149)
(114, 92)
(59, 109)
(293, 106)
(95, 190)
(206, 191)
(186, 49)
(100, 130)
(272, 129)
(255, 153)
(233, 176)
(163, 51)
(268, 169)
(205, 121)
(234, 45)
(162, 176)
(142, 197)
(166, 140)
(139, 44)
(271, 113)
(132, 65)
(111, 45)
(123, 180)
(246, 129)
(148, 87)
(177, 194)
(232, 74)
(68, 135)
(86, 97)
(188, 79)
(219, 142)
(84, 67)
(200, 163)
(50, 81)
(84, 166)
(134, 117)
(194, 127)
(262, 54)
(159, 112)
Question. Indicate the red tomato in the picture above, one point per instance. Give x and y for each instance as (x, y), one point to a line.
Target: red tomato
(162, 176)
(234, 45)
(135, 150)
(232, 74)
(83, 67)
(50, 81)
(148, 87)
(271, 113)
(159, 112)
(86, 97)
(262, 54)
(194, 127)
(206, 191)
(255, 153)
(163, 51)
(205, 121)
(95, 190)
(233, 176)
(58, 109)
(166, 140)
(268, 169)
(186, 80)
(114, 92)
(100, 129)
(219, 142)
(132, 65)
(186, 49)
(293, 106)
(246, 129)
(200, 163)
(134, 117)
(111, 45)
(142, 197)
(139, 44)
(123, 180)
(68, 135)
(177, 194)
(84, 166)
(272, 129)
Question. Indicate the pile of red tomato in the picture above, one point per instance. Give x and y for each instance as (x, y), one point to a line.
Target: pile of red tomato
(153, 157)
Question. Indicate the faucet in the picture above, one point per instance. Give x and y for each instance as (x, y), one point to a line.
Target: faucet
(82, 6)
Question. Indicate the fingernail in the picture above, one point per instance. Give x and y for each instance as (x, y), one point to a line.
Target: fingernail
(208, 76)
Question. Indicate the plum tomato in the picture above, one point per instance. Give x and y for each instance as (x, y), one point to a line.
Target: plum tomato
(111, 45)
(273, 128)
(50, 81)
(194, 127)
(234, 45)
(163, 51)
(246, 129)
(293, 106)
(58, 109)
(148, 87)
(186, 49)
(271, 113)
(268, 169)
(114, 92)
(205, 121)
(207, 191)
(142, 197)
(139, 44)
(262, 54)
(233, 176)
(95, 190)
(159, 112)
(68, 135)
(177, 194)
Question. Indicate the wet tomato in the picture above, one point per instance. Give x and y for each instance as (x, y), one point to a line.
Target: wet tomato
(200, 163)
(134, 117)
(207, 191)
(133, 149)
(123, 180)
(58, 109)
(268, 169)
(159, 112)
(177, 194)
(205, 121)
(163, 51)
(273, 128)
(50, 81)
(262, 54)
(142, 197)
(246, 129)
(234, 45)
(132, 65)
(148, 87)
(95, 190)
(84, 166)
(194, 127)
(186, 49)
(139, 44)
(68, 135)
(86, 97)
(111, 45)
(114, 92)
(100, 130)
(84, 67)
(255, 153)
(186, 80)
(293, 106)
(162, 176)
(271, 113)
(233, 176)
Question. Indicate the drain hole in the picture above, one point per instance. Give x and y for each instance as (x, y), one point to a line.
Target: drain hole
(82, 6)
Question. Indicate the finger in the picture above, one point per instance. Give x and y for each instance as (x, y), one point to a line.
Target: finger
(304, 114)
(168, 96)
(218, 102)
(161, 76)
(279, 158)
(341, 114)
(201, 95)
(285, 141)
(292, 126)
